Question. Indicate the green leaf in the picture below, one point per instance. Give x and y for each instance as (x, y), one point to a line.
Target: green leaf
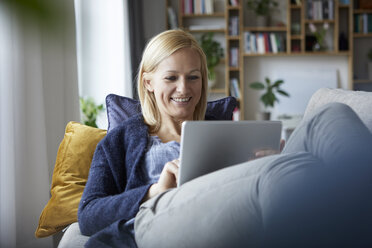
(257, 85)
(282, 92)
(278, 83)
(267, 80)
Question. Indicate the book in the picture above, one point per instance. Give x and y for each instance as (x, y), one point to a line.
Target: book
(330, 10)
(234, 2)
(234, 26)
(234, 57)
(267, 43)
(356, 23)
(365, 23)
(260, 43)
(172, 18)
(273, 43)
(209, 9)
(247, 42)
(253, 41)
(234, 88)
(197, 7)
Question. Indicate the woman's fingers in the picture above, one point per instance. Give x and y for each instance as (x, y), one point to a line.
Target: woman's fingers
(173, 168)
(169, 175)
(267, 152)
(263, 153)
(282, 144)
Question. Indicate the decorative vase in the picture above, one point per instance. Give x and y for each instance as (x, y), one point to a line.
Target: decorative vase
(319, 47)
(211, 83)
(261, 21)
(263, 116)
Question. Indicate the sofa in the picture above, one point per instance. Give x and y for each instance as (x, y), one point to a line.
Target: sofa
(76, 150)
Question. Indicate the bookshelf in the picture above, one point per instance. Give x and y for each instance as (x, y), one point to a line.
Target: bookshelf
(361, 26)
(292, 36)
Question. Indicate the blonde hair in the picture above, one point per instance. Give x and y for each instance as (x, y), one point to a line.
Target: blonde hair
(160, 47)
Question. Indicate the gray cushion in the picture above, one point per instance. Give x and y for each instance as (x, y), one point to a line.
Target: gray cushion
(359, 101)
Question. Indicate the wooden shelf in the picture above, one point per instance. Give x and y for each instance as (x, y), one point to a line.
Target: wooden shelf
(361, 35)
(343, 6)
(217, 90)
(295, 6)
(320, 21)
(362, 81)
(233, 37)
(266, 29)
(296, 37)
(342, 22)
(203, 15)
(362, 11)
(294, 53)
(266, 54)
(233, 7)
(206, 30)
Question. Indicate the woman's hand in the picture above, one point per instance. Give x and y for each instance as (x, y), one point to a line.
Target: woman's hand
(263, 153)
(168, 179)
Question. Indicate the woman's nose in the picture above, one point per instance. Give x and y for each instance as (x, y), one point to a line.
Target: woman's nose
(181, 85)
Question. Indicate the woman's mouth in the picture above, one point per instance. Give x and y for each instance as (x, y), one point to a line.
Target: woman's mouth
(181, 99)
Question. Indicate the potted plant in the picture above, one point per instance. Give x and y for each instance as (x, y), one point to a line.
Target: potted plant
(369, 55)
(319, 36)
(269, 97)
(90, 111)
(214, 52)
(263, 9)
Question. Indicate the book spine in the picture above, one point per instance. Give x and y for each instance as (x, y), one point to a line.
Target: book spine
(253, 43)
(247, 42)
(267, 43)
(273, 43)
(260, 43)
(365, 23)
(326, 9)
(331, 9)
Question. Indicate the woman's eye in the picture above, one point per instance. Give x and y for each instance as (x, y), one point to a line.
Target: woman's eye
(171, 78)
(193, 77)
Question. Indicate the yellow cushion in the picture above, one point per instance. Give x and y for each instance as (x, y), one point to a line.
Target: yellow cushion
(70, 175)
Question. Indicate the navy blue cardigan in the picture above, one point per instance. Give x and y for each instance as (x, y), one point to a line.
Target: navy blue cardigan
(115, 186)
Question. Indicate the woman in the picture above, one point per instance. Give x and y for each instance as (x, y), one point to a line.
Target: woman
(134, 171)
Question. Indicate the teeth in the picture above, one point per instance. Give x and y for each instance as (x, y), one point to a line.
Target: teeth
(178, 99)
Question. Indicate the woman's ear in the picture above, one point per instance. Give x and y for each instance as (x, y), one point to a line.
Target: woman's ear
(147, 82)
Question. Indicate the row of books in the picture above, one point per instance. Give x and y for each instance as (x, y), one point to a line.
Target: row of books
(234, 57)
(363, 23)
(234, 88)
(197, 6)
(320, 9)
(263, 43)
(234, 25)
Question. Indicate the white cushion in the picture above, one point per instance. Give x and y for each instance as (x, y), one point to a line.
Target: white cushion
(359, 101)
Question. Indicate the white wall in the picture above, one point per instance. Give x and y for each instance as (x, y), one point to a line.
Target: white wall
(306, 69)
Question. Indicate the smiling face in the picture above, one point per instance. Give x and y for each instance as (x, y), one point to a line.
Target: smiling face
(177, 85)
